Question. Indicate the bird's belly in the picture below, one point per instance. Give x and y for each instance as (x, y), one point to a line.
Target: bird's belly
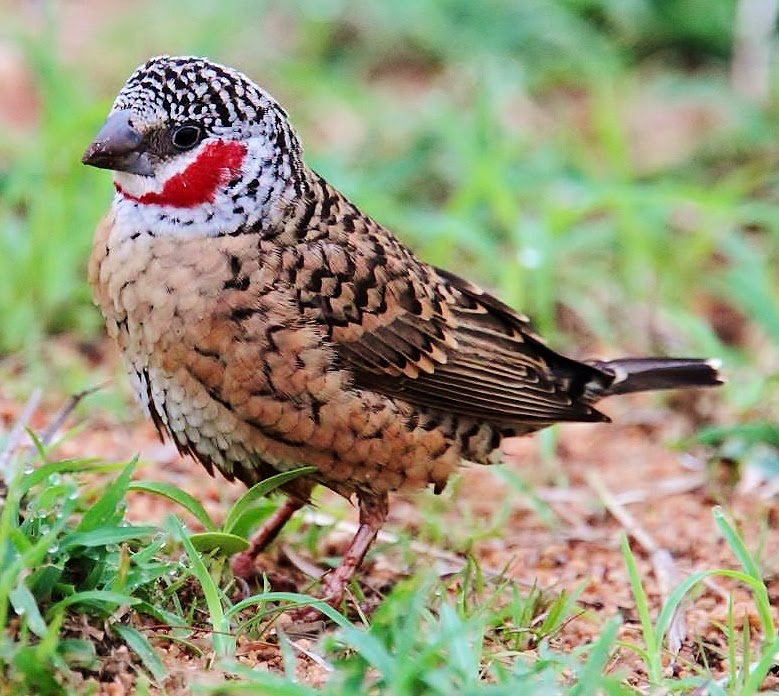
(232, 371)
(357, 442)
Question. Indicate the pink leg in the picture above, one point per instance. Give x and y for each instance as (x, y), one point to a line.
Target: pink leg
(243, 565)
(373, 513)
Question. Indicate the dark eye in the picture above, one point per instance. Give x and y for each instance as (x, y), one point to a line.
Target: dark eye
(186, 137)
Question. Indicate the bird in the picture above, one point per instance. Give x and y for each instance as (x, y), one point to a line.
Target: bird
(266, 322)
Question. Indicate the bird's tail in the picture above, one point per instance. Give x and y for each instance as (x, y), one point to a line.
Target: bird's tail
(650, 374)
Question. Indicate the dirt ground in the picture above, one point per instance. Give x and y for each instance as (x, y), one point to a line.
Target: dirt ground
(624, 476)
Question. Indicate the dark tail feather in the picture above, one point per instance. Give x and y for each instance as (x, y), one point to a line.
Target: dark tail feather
(649, 374)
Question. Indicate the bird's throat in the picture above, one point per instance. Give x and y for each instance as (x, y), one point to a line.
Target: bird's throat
(214, 167)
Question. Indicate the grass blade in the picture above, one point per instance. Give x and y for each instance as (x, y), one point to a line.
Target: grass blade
(654, 665)
(182, 498)
(296, 599)
(259, 490)
(760, 671)
(24, 605)
(591, 676)
(139, 644)
(105, 510)
(223, 641)
(93, 597)
(105, 536)
(741, 552)
(223, 544)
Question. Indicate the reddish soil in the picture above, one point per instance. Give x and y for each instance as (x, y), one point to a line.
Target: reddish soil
(669, 494)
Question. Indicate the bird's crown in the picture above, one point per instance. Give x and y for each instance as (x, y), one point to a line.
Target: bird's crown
(184, 88)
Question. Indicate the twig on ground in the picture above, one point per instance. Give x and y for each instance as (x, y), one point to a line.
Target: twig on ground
(665, 569)
(70, 405)
(20, 428)
(318, 659)
(305, 566)
(16, 435)
(669, 486)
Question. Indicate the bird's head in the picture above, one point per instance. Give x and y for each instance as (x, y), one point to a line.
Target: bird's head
(185, 134)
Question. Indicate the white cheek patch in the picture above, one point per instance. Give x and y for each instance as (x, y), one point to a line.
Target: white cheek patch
(230, 209)
(136, 186)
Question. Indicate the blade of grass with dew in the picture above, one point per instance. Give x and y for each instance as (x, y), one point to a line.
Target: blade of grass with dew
(105, 536)
(222, 639)
(34, 554)
(25, 606)
(138, 643)
(107, 509)
(39, 474)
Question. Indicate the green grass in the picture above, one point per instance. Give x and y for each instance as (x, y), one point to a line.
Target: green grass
(501, 141)
(70, 560)
(744, 677)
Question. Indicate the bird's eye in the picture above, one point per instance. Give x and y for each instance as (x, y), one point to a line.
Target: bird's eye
(186, 137)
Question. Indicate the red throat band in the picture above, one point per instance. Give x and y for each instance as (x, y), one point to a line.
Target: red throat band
(219, 162)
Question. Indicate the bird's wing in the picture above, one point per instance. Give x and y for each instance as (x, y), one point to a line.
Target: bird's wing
(432, 339)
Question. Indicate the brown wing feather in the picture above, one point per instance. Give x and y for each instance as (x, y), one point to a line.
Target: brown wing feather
(498, 370)
(461, 351)
(408, 330)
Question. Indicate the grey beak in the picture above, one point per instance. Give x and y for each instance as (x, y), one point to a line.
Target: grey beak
(118, 146)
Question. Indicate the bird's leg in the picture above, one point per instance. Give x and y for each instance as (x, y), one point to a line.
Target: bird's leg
(243, 565)
(373, 513)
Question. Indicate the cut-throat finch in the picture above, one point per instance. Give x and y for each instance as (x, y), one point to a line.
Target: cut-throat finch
(266, 323)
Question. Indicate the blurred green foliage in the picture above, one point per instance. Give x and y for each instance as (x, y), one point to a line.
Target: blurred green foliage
(586, 159)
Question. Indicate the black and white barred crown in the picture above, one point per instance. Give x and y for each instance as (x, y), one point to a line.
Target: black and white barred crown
(184, 88)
